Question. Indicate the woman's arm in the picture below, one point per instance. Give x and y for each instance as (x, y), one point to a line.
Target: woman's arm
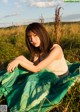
(16, 61)
(55, 54)
(21, 57)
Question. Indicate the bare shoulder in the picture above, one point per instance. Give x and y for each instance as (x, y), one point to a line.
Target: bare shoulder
(56, 49)
(56, 46)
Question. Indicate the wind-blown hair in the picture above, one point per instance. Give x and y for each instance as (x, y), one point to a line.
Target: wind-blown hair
(45, 42)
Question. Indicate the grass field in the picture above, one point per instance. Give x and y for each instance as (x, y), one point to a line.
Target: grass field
(12, 44)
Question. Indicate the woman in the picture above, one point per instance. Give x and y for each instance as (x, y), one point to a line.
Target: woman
(43, 52)
(26, 92)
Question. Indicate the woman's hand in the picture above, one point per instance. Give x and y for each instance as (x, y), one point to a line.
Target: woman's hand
(12, 65)
(19, 60)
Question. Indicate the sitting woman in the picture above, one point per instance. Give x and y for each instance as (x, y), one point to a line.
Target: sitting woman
(44, 53)
(29, 88)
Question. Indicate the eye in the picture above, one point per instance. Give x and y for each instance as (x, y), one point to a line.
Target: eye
(34, 35)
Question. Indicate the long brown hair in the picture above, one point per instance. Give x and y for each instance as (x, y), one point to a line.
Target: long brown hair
(39, 30)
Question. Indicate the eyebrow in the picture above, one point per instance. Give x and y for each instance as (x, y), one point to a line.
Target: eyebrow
(30, 34)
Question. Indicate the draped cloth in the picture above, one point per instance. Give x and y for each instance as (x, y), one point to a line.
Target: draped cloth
(36, 92)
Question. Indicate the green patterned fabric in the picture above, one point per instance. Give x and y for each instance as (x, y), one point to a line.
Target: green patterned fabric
(36, 92)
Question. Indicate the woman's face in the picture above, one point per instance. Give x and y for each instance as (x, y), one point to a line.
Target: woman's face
(34, 39)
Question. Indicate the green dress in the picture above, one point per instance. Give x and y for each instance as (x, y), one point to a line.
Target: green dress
(35, 92)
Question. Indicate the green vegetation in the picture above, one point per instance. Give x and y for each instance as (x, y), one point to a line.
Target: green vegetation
(12, 44)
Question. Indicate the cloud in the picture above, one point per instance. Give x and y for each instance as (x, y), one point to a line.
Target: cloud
(5, 1)
(18, 5)
(72, 17)
(7, 16)
(43, 3)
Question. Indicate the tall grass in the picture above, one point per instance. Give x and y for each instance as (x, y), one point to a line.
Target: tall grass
(12, 41)
(12, 44)
(57, 25)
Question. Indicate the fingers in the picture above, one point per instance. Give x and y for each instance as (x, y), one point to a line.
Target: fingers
(10, 68)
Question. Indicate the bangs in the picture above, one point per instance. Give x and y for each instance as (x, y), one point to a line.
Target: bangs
(43, 35)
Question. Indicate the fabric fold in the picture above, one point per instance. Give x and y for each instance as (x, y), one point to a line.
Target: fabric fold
(32, 92)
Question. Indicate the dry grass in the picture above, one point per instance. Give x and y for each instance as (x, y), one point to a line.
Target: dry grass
(12, 44)
(12, 31)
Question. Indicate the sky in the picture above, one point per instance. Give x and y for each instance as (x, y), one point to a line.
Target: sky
(16, 12)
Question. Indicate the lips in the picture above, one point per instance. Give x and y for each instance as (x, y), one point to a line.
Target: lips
(35, 44)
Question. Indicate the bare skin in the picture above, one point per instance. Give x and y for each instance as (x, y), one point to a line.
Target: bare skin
(55, 54)
(41, 61)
